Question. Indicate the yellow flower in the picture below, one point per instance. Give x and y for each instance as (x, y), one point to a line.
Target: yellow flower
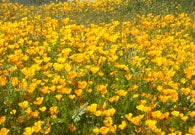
(28, 72)
(109, 112)
(100, 73)
(192, 130)
(31, 88)
(57, 66)
(45, 89)
(96, 130)
(52, 88)
(137, 119)
(151, 124)
(103, 92)
(135, 87)
(191, 113)
(72, 75)
(188, 72)
(35, 114)
(103, 130)
(156, 114)
(113, 129)
(184, 118)
(65, 90)
(67, 67)
(4, 131)
(98, 113)
(53, 110)
(121, 93)
(89, 90)
(175, 113)
(108, 121)
(28, 131)
(37, 126)
(28, 111)
(58, 97)
(159, 88)
(2, 119)
(23, 104)
(78, 57)
(13, 112)
(65, 20)
(82, 84)
(14, 81)
(123, 67)
(128, 116)
(183, 80)
(193, 82)
(3, 81)
(92, 108)
(72, 127)
(38, 101)
(42, 109)
(101, 87)
(163, 98)
(78, 92)
(61, 60)
(186, 91)
(20, 120)
(164, 116)
(128, 76)
(174, 95)
(135, 95)
(143, 108)
(123, 125)
(46, 59)
(94, 70)
(71, 96)
(113, 99)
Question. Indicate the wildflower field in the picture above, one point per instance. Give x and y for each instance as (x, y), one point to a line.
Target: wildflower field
(124, 67)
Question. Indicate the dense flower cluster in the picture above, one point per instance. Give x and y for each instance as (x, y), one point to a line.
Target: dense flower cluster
(116, 78)
(14, 11)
